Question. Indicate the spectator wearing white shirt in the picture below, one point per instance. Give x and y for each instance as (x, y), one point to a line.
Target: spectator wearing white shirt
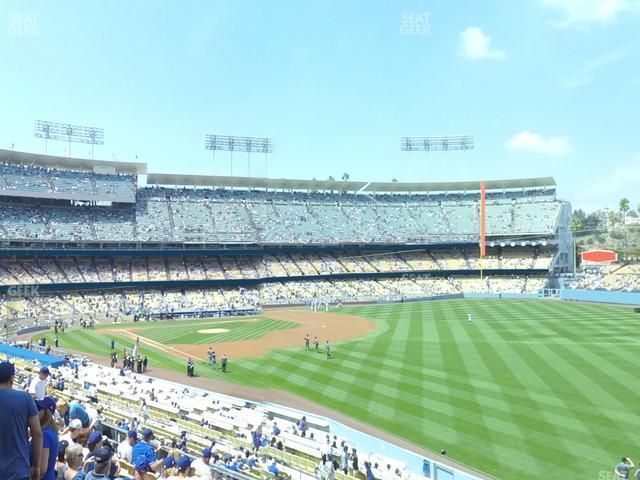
(125, 448)
(201, 465)
(38, 386)
(72, 432)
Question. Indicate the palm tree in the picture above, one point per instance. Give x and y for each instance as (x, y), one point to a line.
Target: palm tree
(345, 177)
(613, 219)
(576, 225)
(624, 206)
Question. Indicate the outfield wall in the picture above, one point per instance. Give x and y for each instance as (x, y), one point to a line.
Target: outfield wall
(600, 296)
(501, 295)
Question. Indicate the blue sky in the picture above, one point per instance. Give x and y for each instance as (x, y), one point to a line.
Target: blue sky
(548, 87)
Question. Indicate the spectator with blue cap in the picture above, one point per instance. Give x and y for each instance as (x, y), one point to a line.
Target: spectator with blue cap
(169, 467)
(95, 442)
(184, 466)
(47, 403)
(125, 448)
(141, 466)
(102, 466)
(38, 385)
(201, 465)
(19, 413)
(143, 451)
(50, 442)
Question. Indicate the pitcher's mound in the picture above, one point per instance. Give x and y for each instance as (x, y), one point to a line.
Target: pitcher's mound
(213, 330)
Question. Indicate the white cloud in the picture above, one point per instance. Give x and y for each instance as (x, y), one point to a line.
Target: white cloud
(585, 73)
(580, 13)
(475, 45)
(532, 142)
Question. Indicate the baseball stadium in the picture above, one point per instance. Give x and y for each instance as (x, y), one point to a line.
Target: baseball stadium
(426, 316)
(319, 240)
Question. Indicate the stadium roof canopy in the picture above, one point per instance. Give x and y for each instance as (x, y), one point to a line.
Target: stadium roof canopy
(51, 161)
(341, 186)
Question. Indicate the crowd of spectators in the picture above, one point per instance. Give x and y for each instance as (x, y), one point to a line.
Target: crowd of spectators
(615, 277)
(226, 216)
(118, 305)
(18, 179)
(83, 421)
(30, 271)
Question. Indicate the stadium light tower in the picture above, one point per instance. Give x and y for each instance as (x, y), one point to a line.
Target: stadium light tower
(70, 133)
(231, 143)
(440, 143)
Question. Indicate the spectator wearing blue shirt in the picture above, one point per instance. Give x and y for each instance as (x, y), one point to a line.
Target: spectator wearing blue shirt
(74, 410)
(370, 475)
(50, 442)
(19, 412)
(143, 452)
(302, 426)
(272, 468)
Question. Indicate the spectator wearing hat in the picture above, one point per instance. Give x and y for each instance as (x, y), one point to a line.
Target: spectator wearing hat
(168, 467)
(47, 403)
(125, 448)
(144, 454)
(61, 466)
(94, 442)
(201, 465)
(73, 457)
(183, 465)
(38, 385)
(50, 442)
(102, 467)
(72, 432)
(19, 412)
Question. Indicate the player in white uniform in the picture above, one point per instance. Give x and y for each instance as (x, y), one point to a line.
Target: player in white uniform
(469, 319)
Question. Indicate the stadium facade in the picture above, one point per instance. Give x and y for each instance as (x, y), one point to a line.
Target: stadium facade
(85, 237)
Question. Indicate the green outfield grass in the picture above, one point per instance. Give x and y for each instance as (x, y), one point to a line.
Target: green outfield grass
(530, 390)
(186, 331)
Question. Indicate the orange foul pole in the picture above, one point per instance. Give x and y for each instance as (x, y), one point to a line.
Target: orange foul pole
(483, 224)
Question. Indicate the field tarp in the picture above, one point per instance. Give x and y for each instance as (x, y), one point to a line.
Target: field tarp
(28, 355)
